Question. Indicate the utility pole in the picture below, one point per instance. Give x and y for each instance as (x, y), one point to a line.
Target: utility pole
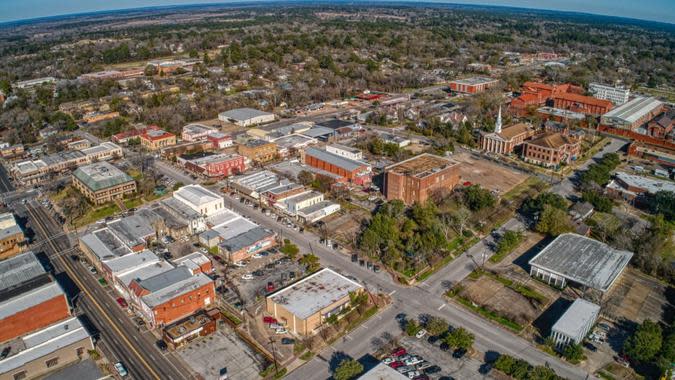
(274, 355)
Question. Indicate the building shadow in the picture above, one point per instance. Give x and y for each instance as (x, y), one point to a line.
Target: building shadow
(547, 319)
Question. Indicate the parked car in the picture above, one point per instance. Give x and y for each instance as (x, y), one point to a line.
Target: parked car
(362, 262)
(413, 361)
(269, 320)
(405, 369)
(240, 264)
(433, 369)
(258, 273)
(376, 268)
(413, 374)
(420, 334)
(369, 265)
(459, 353)
(355, 258)
(270, 286)
(396, 364)
(287, 341)
(399, 351)
(162, 345)
(257, 256)
(590, 346)
(388, 360)
(121, 370)
(291, 275)
(281, 331)
(122, 302)
(247, 276)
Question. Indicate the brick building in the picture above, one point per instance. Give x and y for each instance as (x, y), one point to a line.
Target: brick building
(156, 139)
(11, 236)
(551, 149)
(580, 103)
(356, 172)
(101, 182)
(504, 141)
(473, 85)
(258, 151)
(633, 114)
(304, 306)
(562, 96)
(414, 179)
(214, 165)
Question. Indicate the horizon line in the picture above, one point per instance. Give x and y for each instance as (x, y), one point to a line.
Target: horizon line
(362, 2)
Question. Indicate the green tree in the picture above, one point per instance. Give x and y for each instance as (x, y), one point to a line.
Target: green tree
(477, 198)
(599, 201)
(553, 221)
(509, 241)
(310, 261)
(573, 353)
(290, 249)
(436, 326)
(533, 206)
(505, 363)
(541, 372)
(645, 343)
(412, 327)
(663, 202)
(460, 338)
(348, 369)
(305, 177)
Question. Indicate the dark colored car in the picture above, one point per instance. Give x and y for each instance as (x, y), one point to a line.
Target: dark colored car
(433, 369)
(355, 258)
(257, 273)
(362, 262)
(376, 268)
(162, 345)
(291, 275)
(123, 304)
(287, 341)
(459, 353)
(369, 265)
(590, 347)
(396, 364)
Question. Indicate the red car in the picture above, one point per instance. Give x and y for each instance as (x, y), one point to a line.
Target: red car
(400, 351)
(270, 286)
(269, 320)
(123, 304)
(395, 364)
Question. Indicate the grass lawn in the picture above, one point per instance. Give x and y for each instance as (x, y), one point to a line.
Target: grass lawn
(133, 202)
(518, 190)
(95, 214)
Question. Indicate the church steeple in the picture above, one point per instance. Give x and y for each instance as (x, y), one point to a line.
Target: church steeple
(498, 124)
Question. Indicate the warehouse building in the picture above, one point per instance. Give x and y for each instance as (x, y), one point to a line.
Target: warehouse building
(414, 179)
(630, 187)
(579, 260)
(633, 114)
(575, 323)
(305, 305)
(101, 182)
(354, 171)
(473, 85)
(246, 117)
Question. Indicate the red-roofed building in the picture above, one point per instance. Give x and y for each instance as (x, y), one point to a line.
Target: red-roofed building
(563, 96)
(581, 103)
(155, 139)
(124, 137)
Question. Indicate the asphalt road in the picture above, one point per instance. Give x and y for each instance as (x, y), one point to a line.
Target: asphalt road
(5, 184)
(135, 349)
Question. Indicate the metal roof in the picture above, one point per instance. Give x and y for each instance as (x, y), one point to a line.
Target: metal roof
(474, 80)
(573, 322)
(633, 110)
(242, 114)
(313, 293)
(45, 342)
(121, 265)
(651, 186)
(335, 123)
(105, 244)
(176, 288)
(196, 195)
(132, 230)
(246, 239)
(19, 269)
(30, 297)
(334, 159)
(143, 273)
(162, 280)
(101, 175)
(382, 372)
(316, 132)
(582, 260)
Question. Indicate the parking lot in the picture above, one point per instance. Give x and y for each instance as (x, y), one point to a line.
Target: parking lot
(439, 364)
(222, 350)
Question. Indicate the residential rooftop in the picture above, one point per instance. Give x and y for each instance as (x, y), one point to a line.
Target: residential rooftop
(101, 175)
(315, 292)
(576, 317)
(421, 166)
(583, 260)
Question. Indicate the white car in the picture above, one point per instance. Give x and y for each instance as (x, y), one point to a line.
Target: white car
(276, 326)
(281, 331)
(247, 276)
(203, 250)
(420, 334)
(388, 360)
(119, 367)
(239, 264)
(413, 374)
(257, 256)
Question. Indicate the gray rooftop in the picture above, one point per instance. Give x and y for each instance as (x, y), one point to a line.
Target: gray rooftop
(105, 244)
(309, 210)
(474, 80)
(575, 318)
(241, 114)
(293, 168)
(246, 239)
(196, 195)
(334, 159)
(633, 110)
(318, 131)
(120, 265)
(382, 372)
(162, 280)
(176, 288)
(650, 185)
(180, 209)
(8, 225)
(583, 260)
(45, 342)
(101, 175)
(19, 269)
(144, 272)
(132, 230)
(314, 293)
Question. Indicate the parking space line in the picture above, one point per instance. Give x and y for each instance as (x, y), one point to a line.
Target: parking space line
(392, 292)
(440, 307)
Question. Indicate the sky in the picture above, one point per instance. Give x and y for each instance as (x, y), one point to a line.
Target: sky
(656, 10)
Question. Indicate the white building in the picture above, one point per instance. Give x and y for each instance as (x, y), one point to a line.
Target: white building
(617, 95)
(293, 204)
(345, 151)
(196, 132)
(202, 200)
(245, 117)
(575, 323)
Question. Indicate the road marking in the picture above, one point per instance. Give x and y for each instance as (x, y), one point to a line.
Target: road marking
(440, 307)
(392, 292)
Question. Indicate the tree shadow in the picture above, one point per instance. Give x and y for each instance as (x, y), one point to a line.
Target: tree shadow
(337, 358)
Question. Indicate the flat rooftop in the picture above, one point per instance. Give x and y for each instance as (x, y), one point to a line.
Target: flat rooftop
(105, 244)
(382, 372)
(421, 166)
(474, 80)
(121, 265)
(346, 148)
(246, 239)
(196, 195)
(334, 159)
(583, 260)
(176, 288)
(576, 317)
(101, 175)
(313, 293)
(242, 114)
(18, 270)
(103, 147)
(650, 185)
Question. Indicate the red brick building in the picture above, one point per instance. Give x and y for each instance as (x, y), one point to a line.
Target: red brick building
(563, 96)
(356, 172)
(414, 179)
(172, 295)
(579, 103)
(30, 299)
(551, 149)
(473, 85)
(215, 165)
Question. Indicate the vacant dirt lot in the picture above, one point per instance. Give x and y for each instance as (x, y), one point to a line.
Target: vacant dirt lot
(345, 226)
(638, 297)
(487, 174)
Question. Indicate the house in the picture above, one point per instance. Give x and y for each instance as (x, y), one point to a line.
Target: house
(304, 306)
(246, 117)
(581, 211)
(101, 182)
(415, 179)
